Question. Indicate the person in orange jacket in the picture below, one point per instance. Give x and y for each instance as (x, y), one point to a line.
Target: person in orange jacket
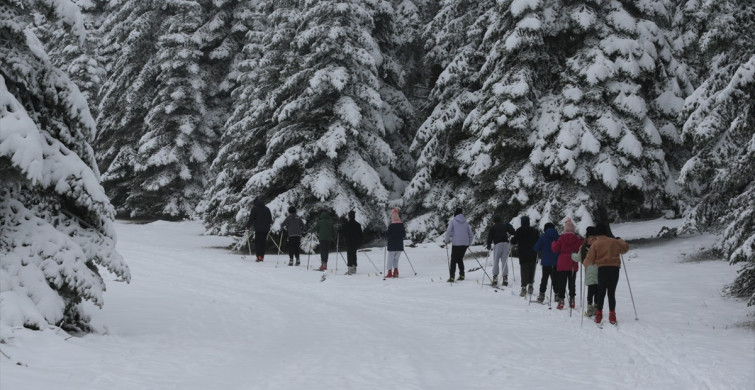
(606, 253)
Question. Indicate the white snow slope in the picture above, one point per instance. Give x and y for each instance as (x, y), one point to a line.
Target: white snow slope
(199, 317)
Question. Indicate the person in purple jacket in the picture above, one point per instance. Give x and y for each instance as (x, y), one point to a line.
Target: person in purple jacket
(460, 235)
(547, 258)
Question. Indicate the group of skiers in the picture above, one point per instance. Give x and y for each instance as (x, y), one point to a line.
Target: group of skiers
(560, 254)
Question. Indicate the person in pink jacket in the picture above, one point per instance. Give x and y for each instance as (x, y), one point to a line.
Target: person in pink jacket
(568, 242)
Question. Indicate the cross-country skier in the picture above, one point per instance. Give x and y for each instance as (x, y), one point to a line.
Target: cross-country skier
(326, 233)
(606, 253)
(525, 238)
(548, 259)
(395, 246)
(460, 235)
(591, 272)
(260, 218)
(294, 226)
(568, 243)
(352, 232)
(498, 236)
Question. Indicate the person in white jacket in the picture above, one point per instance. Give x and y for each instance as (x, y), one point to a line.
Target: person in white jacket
(460, 235)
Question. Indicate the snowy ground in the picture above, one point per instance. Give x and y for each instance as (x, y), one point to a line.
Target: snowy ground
(199, 317)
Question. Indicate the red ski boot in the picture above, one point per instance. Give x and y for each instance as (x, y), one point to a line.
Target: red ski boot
(598, 316)
(395, 272)
(560, 304)
(389, 275)
(612, 317)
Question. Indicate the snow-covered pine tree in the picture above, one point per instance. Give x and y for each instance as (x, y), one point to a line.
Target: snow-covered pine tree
(175, 150)
(321, 123)
(56, 223)
(606, 136)
(78, 59)
(522, 64)
(128, 47)
(454, 56)
(158, 136)
(720, 128)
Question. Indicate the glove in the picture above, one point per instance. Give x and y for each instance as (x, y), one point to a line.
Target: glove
(488, 247)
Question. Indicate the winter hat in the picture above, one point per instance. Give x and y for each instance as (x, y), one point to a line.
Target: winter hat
(457, 211)
(569, 226)
(590, 231)
(549, 225)
(394, 216)
(292, 210)
(352, 215)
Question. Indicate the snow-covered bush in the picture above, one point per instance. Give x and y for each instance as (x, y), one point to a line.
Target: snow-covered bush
(56, 224)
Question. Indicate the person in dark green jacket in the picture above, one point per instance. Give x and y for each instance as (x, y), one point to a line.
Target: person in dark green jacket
(326, 233)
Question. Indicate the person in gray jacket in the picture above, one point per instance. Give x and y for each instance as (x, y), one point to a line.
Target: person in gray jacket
(294, 226)
(460, 235)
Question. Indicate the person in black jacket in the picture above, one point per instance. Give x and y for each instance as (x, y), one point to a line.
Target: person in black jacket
(260, 218)
(525, 239)
(294, 226)
(352, 232)
(395, 235)
(498, 236)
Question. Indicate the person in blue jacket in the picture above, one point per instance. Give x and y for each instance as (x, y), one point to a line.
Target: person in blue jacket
(548, 259)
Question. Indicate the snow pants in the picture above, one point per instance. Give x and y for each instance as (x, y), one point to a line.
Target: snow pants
(393, 258)
(260, 242)
(562, 279)
(457, 259)
(501, 254)
(324, 249)
(608, 278)
(592, 292)
(351, 256)
(527, 266)
(549, 271)
(294, 244)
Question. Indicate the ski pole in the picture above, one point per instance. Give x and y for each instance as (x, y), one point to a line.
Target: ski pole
(280, 243)
(480, 264)
(274, 243)
(513, 273)
(550, 299)
(370, 259)
(309, 252)
(570, 291)
(338, 237)
(249, 243)
(410, 262)
(629, 285)
(449, 260)
(581, 296)
(486, 266)
(385, 254)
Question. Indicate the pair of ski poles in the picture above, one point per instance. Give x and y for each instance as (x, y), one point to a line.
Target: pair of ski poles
(385, 260)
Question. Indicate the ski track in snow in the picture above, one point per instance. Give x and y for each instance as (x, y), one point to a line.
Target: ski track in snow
(199, 317)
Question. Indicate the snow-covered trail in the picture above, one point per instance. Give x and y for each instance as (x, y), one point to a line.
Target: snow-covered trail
(198, 317)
